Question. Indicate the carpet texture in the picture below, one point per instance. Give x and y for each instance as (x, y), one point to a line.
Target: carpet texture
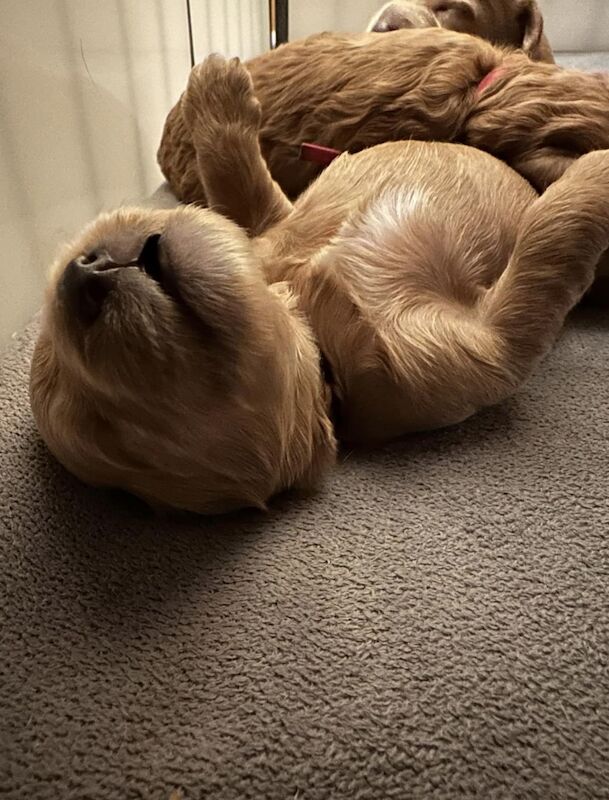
(434, 623)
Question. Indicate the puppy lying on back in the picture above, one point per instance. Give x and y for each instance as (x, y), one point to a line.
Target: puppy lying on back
(352, 92)
(511, 23)
(411, 285)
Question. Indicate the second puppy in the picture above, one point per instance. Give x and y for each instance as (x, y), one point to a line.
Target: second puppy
(353, 92)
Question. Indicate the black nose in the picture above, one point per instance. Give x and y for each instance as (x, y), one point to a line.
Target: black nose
(392, 23)
(85, 284)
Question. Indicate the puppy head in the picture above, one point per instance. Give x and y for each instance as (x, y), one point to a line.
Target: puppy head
(516, 23)
(167, 367)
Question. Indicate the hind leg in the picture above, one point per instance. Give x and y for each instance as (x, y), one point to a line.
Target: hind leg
(436, 363)
(560, 242)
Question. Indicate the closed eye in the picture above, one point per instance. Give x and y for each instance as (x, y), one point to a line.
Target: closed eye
(460, 6)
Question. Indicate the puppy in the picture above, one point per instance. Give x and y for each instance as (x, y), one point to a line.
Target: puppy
(413, 284)
(511, 23)
(352, 92)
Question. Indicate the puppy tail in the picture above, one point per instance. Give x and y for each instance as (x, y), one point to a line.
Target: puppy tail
(561, 239)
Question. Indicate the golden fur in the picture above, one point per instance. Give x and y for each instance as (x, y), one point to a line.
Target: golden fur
(353, 92)
(512, 23)
(429, 275)
(191, 387)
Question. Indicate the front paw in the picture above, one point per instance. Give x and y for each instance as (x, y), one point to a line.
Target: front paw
(220, 96)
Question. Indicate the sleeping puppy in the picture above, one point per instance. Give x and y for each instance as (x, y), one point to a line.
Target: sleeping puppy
(412, 284)
(511, 23)
(352, 92)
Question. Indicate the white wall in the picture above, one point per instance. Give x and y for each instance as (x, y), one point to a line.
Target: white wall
(231, 27)
(311, 16)
(577, 24)
(85, 88)
(86, 85)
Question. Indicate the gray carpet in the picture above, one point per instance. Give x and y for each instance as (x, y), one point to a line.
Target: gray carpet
(433, 624)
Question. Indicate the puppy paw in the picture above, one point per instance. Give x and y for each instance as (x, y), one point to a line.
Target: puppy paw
(220, 96)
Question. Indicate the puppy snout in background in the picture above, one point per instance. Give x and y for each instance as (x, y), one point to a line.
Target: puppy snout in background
(395, 16)
(513, 23)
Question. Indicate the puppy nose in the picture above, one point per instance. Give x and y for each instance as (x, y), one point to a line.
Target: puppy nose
(397, 16)
(85, 284)
(393, 22)
(97, 262)
(383, 26)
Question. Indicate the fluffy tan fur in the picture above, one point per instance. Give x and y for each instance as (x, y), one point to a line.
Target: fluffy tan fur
(430, 275)
(353, 92)
(195, 389)
(511, 23)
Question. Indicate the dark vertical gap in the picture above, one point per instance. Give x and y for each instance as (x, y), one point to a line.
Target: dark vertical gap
(272, 31)
(278, 22)
(190, 37)
(281, 21)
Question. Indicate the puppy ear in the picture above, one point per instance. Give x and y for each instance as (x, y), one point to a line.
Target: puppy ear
(531, 29)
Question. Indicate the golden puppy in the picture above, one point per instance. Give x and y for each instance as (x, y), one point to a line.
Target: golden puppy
(352, 92)
(511, 23)
(410, 286)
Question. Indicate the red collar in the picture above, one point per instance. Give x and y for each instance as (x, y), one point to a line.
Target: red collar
(489, 79)
(319, 154)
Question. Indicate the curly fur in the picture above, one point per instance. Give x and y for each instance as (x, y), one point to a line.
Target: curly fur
(352, 92)
(540, 118)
